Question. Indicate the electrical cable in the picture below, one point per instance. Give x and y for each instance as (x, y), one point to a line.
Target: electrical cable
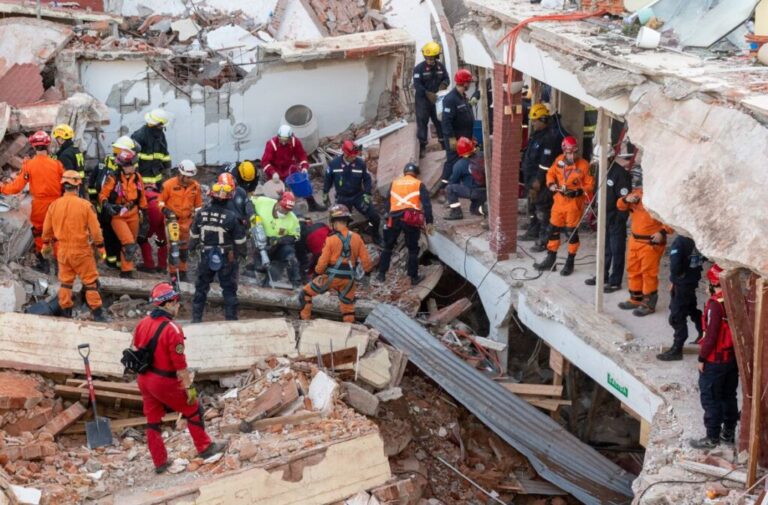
(716, 479)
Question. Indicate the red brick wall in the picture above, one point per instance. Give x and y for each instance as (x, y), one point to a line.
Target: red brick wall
(505, 165)
(613, 6)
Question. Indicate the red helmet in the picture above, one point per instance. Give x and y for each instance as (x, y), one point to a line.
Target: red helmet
(162, 293)
(570, 145)
(126, 158)
(287, 201)
(462, 77)
(39, 139)
(349, 148)
(713, 274)
(465, 146)
(224, 187)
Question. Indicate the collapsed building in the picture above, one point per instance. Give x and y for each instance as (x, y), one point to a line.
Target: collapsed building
(557, 379)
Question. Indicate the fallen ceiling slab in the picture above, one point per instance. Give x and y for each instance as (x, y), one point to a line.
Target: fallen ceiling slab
(26, 40)
(21, 85)
(557, 455)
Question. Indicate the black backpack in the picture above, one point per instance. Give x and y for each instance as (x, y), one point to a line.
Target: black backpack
(140, 360)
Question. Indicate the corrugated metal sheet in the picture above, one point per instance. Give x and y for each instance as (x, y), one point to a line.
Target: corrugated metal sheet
(557, 456)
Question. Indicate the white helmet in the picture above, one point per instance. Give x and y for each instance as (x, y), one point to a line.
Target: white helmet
(124, 142)
(284, 132)
(157, 117)
(188, 168)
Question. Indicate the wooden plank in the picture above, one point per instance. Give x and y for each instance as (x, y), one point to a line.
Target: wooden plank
(119, 424)
(539, 487)
(556, 361)
(450, 312)
(546, 403)
(105, 398)
(333, 359)
(432, 275)
(714, 471)
(293, 419)
(755, 421)
(116, 387)
(645, 431)
(533, 389)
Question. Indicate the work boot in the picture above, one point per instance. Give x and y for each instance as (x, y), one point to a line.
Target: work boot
(568, 268)
(214, 448)
(455, 214)
(538, 248)
(674, 353)
(99, 316)
(591, 281)
(381, 277)
(648, 305)
(474, 209)
(528, 236)
(704, 443)
(314, 206)
(127, 275)
(548, 262)
(635, 299)
(728, 435)
(66, 313)
(146, 269)
(416, 280)
(162, 468)
(611, 288)
(183, 277)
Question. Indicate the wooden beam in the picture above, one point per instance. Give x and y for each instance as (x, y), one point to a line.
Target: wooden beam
(118, 424)
(115, 387)
(547, 403)
(333, 359)
(533, 389)
(105, 398)
(755, 421)
(603, 138)
(450, 312)
(301, 418)
(714, 471)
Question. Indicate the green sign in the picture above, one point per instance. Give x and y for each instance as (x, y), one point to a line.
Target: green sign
(618, 387)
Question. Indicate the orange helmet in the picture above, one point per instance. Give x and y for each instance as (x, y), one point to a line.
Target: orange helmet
(569, 145)
(39, 139)
(224, 187)
(287, 201)
(713, 274)
(465, 146)
(462, 77)
(162, 293)
(71, 177)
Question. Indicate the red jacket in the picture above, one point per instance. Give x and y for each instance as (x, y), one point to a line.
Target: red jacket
(717, 344)
(169, 353)
(283, 159)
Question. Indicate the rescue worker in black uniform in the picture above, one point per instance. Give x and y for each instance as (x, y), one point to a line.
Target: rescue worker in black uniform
(718, 371)
(223, 240)
(458, 120)
(429, 77)
(543, 147)
(348, 176)
(246, 174)
(684, 273)
(70, 156)
(154, 160)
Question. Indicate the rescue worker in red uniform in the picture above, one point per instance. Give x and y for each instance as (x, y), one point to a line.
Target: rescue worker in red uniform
(284, 155)
(167, 384)
(43, 174)
(570, 181)
(336, 267)
(309, 247)
(156, 229)
(718, 371)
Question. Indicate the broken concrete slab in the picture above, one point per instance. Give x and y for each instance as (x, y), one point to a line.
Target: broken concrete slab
(18, 47)
(361, 400)
(374, 369)
(186, 28)
(12, 295)
(328, 336)
(19, 391)
(397, 150)
(322, 391)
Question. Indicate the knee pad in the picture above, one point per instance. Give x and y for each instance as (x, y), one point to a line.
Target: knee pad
(573, 233)
(554, 233)
(197, 417)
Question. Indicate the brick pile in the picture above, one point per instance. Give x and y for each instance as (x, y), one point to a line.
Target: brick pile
(615, 7)
(344, 18)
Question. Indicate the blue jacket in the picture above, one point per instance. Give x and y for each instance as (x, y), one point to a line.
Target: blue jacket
(458, 116)
(348, 179)
(685, 262)
(429, 78)
(461, 174)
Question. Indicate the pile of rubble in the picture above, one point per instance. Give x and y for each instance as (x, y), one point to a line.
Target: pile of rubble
(341, 18)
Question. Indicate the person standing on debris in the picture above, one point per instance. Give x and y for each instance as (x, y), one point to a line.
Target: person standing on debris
(685, 273)
(718, 370)
(458, 120)
(429, 77)
(283, 230)
(123, 198)
(544, 145)
(409, 209)
(167, 384)
(646, 247)
(337, 266)
(156, 229)
(180, 199)
(467, 180)
(348, 176)
(246, 174)
(43, 174)
(154, 159)
(69, 155)
(72, 223)
(223, 239)
(570, 181)
(284, 155)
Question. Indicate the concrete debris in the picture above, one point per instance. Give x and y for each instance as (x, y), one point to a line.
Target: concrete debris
(361, 400)
(374, 369)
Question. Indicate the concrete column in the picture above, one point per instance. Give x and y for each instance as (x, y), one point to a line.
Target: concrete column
(505, 164)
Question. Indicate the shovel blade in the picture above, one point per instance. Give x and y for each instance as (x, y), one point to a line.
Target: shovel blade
(98, 432)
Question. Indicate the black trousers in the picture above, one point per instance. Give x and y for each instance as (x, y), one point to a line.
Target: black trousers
(111, 242)
(717, 385)
(615, 253)
(475, 195)
(426, 110)
(451, 157)
(391, 235)
(227, 280)
(367, 210)
(681, 307)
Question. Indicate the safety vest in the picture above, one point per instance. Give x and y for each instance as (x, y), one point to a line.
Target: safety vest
(405, 194)
(723, 350)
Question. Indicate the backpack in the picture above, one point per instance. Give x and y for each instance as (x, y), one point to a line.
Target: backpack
(140, 360)
(477, 169)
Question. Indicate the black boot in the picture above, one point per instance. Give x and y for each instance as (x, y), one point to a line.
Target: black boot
(568, 268)
(99, 316)
(127, 275)
(66, 313)
(705, 443)
(416, 280)
(314, 206)
(538, 247)
(529, 236)
(548, 262)
(183, 277)
(674, 353)
(43, 265)
(728, 435)
(648, 305)
(455, 214)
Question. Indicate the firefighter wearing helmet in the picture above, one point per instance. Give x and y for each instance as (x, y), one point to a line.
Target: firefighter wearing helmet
(246, 174)
(571, 183)
(283, 230)
(222, 238)
(458, 120)
(69, 154)
(467, 180)
(348, 175)
(429, 77)
(154, 158)
(338, 266)
(43, 174)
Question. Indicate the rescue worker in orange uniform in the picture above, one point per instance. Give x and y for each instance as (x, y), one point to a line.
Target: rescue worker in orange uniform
(122, 197)
(72, 223)
(167, 384)
(570, 181)
(180, 200)
(718, 370)
(337, 266)
(648, 238)
(43, 174)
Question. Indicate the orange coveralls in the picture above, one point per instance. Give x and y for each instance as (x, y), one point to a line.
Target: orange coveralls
(182, 201)
(43, 174)
(643, 257)
(567, 211)
(128, 192)
(343, 284)
(72, 222)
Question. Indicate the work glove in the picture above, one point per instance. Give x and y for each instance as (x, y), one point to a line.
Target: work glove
(111, 209)
(191, 395)
(47, 251)
(169, 214)
(101, 253)
(452, 143)
(326, 199)
(432, 97)
(367, 199)
(553, 188)
(473, 101)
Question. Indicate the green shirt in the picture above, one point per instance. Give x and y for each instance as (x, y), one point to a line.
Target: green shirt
(275, 226)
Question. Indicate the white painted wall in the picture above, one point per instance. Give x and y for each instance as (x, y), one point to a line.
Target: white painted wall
(414, 17)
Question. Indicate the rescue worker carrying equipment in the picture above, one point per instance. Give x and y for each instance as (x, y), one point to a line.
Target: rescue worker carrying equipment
(458, 120)
(429, 77)
(166, 386)
(283, 230)
(43, 174)
(180, 199)
(154, 160)
(348, 175)
(72, 223)
(223, 239)
(122, 197)
(69, 154)
(570, 181)
(337, 266)
(467, 180)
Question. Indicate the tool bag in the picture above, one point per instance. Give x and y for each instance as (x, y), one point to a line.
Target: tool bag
(140, 360)
(413, 217)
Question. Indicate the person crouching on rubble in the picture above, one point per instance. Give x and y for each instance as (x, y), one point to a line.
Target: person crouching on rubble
(167, 384)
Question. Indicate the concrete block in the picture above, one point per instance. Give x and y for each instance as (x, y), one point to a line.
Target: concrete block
(397, 149)
(361, 400)
(65, 419)
(12, 296)
(374, 369)
(30, 421)
(18, 391)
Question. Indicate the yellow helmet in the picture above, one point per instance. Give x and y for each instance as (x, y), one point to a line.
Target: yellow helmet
(431, 50)
(63, 131)
(71, 177)
(538, 111)
(247, 171)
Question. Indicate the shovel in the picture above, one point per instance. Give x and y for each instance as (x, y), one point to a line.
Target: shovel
(98, 432)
